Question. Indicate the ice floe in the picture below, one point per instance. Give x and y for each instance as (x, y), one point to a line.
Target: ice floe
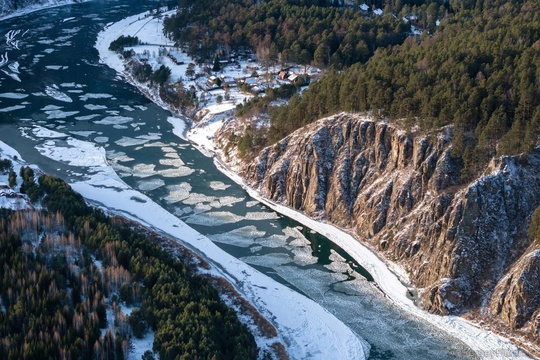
(59, 114)
(93, 107)
(177, 193)
(241, 237)
(129, 141)
(171, 162)
(12, 95)
(262, 215)
(12, 108)
(101, 139)
(177, 172)
(74, 152)
(215, 218)
(87, 117)
(114, 120)
(144, 170)
(52, 107)
(88, 96)
(83, 133)
(57, 94)
(218, 185)
(149, 185)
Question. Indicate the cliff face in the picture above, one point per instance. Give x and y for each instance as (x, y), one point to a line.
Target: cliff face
(464, 246)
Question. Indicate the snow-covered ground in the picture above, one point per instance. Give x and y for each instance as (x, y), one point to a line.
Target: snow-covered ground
(10, 199)
(485, 343)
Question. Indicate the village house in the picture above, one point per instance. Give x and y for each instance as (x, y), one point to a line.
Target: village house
(176, 57)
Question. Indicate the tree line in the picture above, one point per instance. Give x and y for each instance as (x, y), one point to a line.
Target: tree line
(324, 33)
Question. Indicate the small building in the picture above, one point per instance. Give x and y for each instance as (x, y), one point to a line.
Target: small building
(251, 81)
(293, 78)
(176, 57)
(282, 75)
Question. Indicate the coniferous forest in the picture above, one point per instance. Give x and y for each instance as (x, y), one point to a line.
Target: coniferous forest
(66, 270)
(475, 65)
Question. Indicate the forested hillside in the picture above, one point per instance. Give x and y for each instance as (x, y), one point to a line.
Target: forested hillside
(478, 71)
(66, 269)
(301, 32)
(475, 66)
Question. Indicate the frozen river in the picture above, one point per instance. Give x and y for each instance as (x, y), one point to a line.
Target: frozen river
(58, 102)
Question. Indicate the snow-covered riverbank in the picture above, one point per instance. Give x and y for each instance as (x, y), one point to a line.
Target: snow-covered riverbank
(299, 321)
(486, 344)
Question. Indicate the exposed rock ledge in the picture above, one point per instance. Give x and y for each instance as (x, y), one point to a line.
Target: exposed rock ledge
(465, 246)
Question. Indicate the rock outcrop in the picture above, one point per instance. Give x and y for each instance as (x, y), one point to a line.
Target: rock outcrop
(465, 246)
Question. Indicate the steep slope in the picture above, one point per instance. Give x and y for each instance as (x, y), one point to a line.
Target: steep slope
(464, 245)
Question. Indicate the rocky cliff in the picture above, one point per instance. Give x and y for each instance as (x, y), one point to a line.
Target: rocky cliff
(465, 246)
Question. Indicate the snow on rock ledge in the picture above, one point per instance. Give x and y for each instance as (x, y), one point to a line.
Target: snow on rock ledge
(402, 195)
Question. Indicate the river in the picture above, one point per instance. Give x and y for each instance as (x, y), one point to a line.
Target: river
(51, 76)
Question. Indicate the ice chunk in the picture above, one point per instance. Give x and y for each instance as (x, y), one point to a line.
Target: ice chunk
(114, 120)
(85, 97)
(218, 185)
(12, 95)
(93, 107)
(215, 218)
(12, 108)
(86, 117)
(59, 114)
(101, 139)
(149, 185)
(262, 215)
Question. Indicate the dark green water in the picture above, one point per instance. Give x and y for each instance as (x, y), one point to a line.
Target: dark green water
(55, 52)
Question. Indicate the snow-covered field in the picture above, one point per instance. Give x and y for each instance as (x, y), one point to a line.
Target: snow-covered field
(485, 343)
